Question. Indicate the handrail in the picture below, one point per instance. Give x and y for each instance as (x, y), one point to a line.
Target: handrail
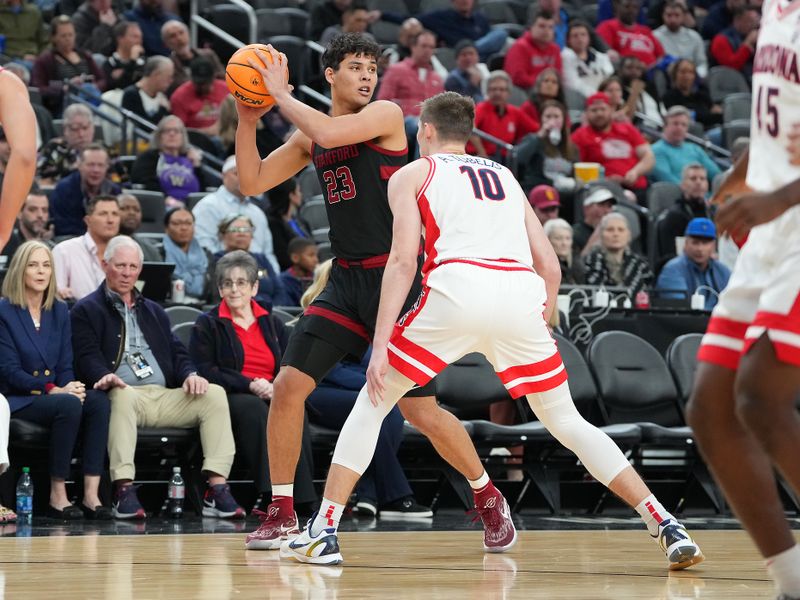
(654, 130)
(196, 20)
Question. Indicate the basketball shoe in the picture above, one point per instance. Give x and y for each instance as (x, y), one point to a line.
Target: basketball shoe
(678, 545)
(275, 527)
(499, 533)
(320, 549)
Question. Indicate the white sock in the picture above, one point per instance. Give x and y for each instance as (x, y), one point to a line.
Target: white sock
(284, 489)
(652, 513)
(784, 568)
(480, 482)
(328, 517)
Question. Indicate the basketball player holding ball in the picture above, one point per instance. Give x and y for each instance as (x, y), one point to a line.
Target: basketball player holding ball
(19, 126)
(743, 406)
(355, 150)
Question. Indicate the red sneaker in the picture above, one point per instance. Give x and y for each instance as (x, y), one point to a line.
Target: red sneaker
(499, 533)
(276, 526)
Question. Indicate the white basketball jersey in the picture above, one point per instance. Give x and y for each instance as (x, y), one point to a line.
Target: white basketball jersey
(472, 208)
(776, 96)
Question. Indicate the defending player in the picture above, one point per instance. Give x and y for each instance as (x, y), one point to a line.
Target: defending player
(355, 151)
(743, 406)
(19, 126)
(490, 282)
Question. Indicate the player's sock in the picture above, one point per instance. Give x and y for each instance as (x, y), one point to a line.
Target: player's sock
(480, 482)
(283, 496)
(328, 517)
(652, 513)
(482, 489)
(784, 568)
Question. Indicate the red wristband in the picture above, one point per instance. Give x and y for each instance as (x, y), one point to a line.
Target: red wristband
(48, 386)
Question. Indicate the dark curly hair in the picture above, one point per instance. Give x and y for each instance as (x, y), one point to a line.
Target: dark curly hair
(348, 43)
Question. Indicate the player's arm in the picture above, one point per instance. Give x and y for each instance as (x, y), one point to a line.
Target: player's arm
(381, 119)
(400, 269)
(19, 125)
(739, 215)
(545, 260)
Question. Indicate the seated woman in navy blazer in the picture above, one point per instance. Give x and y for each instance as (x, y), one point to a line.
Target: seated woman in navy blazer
(37, 378)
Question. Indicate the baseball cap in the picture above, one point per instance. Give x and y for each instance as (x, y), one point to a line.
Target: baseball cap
(599, 195)
(544, 196)
(702, 228)
(598, 97)
(230, 163)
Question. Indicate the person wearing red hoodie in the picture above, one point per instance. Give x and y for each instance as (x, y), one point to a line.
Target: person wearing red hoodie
(534, 51)
(627, 37)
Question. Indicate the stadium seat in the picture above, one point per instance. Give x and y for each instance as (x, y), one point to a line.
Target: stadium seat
(183, 331)
(153, 210)
(682, 362)
(736, 106)
(662, 195)
(179, 314)
(723, 81)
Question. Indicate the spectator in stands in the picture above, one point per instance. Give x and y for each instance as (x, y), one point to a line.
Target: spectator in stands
(238, 346)
(40, 385)
(411, 81)
(298, 276)
(612, 262)
(130, 213)
(44, 120)
(78, 261)
(22, 25)
(673, 152)
(549, 157)
(686, 90)
(197, 102)
(284, 202)
(596, 205)
(355, 19)
(171, 166)
(59, 157)
(547, 87)
(175, 35)
(534, 51)
(33, 224)
(545, 201)
(612, 87)
(681, 41)
(619, 147)
(673, 221)
(605, 12)
(696, 270)
(125, 66)
(74, 191)
(583, 67)
(236, 232)
(469, 74)
(561, 20)
(559, 232)
(64, 63)
(226, 200)
(735, 46)
(629, 38)
(498, 118)
(193, 264)
(639, 94)
(150, 379)
(147, 97)
(151, 16)
(720, 17)
(94, 26)
(326, 14)
(266, 139)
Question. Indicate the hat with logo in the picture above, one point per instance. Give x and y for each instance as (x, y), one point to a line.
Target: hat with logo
(701, 228)
(544, 196)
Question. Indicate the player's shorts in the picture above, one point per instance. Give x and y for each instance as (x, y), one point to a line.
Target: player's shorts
(488, 306)
(763, 296)
(340, 322)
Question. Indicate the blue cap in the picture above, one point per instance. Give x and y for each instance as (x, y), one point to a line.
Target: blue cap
(702, 228)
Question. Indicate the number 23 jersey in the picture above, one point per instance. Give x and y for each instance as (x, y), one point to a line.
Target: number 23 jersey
(472, 208)
(776, 96)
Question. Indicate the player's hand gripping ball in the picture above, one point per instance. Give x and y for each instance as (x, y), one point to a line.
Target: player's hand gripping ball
(244, 82)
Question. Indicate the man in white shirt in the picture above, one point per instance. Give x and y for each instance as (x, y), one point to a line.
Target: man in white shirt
(78, 261)
(680, 41)
(227, 200)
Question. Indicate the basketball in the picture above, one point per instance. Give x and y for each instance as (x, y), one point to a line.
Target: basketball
(245, 82)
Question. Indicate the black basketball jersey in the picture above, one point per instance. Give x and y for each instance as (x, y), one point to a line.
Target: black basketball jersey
(354, 180)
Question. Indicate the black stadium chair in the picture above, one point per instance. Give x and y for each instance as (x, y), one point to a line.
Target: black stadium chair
(682, 362)
(182, 314)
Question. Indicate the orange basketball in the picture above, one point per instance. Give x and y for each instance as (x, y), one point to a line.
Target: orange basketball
(245, 82)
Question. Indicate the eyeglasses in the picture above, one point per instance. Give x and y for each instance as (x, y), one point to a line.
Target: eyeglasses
(238, 284)
(240, 229)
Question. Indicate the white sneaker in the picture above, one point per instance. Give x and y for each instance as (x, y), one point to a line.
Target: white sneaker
(678, 545)
(322, 549)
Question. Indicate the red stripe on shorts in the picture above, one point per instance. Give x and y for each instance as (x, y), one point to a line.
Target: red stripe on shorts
(531, 370)
(342, 320)
(727, 327)
(406, 368)
(417, 352)
(535, 387)
(717, 355)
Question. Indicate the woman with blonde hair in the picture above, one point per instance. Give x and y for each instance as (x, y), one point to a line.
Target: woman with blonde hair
(37, 378)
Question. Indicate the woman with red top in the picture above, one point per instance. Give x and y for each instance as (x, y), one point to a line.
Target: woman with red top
(238, 345)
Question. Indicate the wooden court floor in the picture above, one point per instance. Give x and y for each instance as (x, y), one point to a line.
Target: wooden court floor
(386, 565)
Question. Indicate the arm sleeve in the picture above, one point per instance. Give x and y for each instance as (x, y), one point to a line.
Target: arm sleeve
(64, 372)
(723, 53)
(671, 279)
(88, 354)
(16, 379)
